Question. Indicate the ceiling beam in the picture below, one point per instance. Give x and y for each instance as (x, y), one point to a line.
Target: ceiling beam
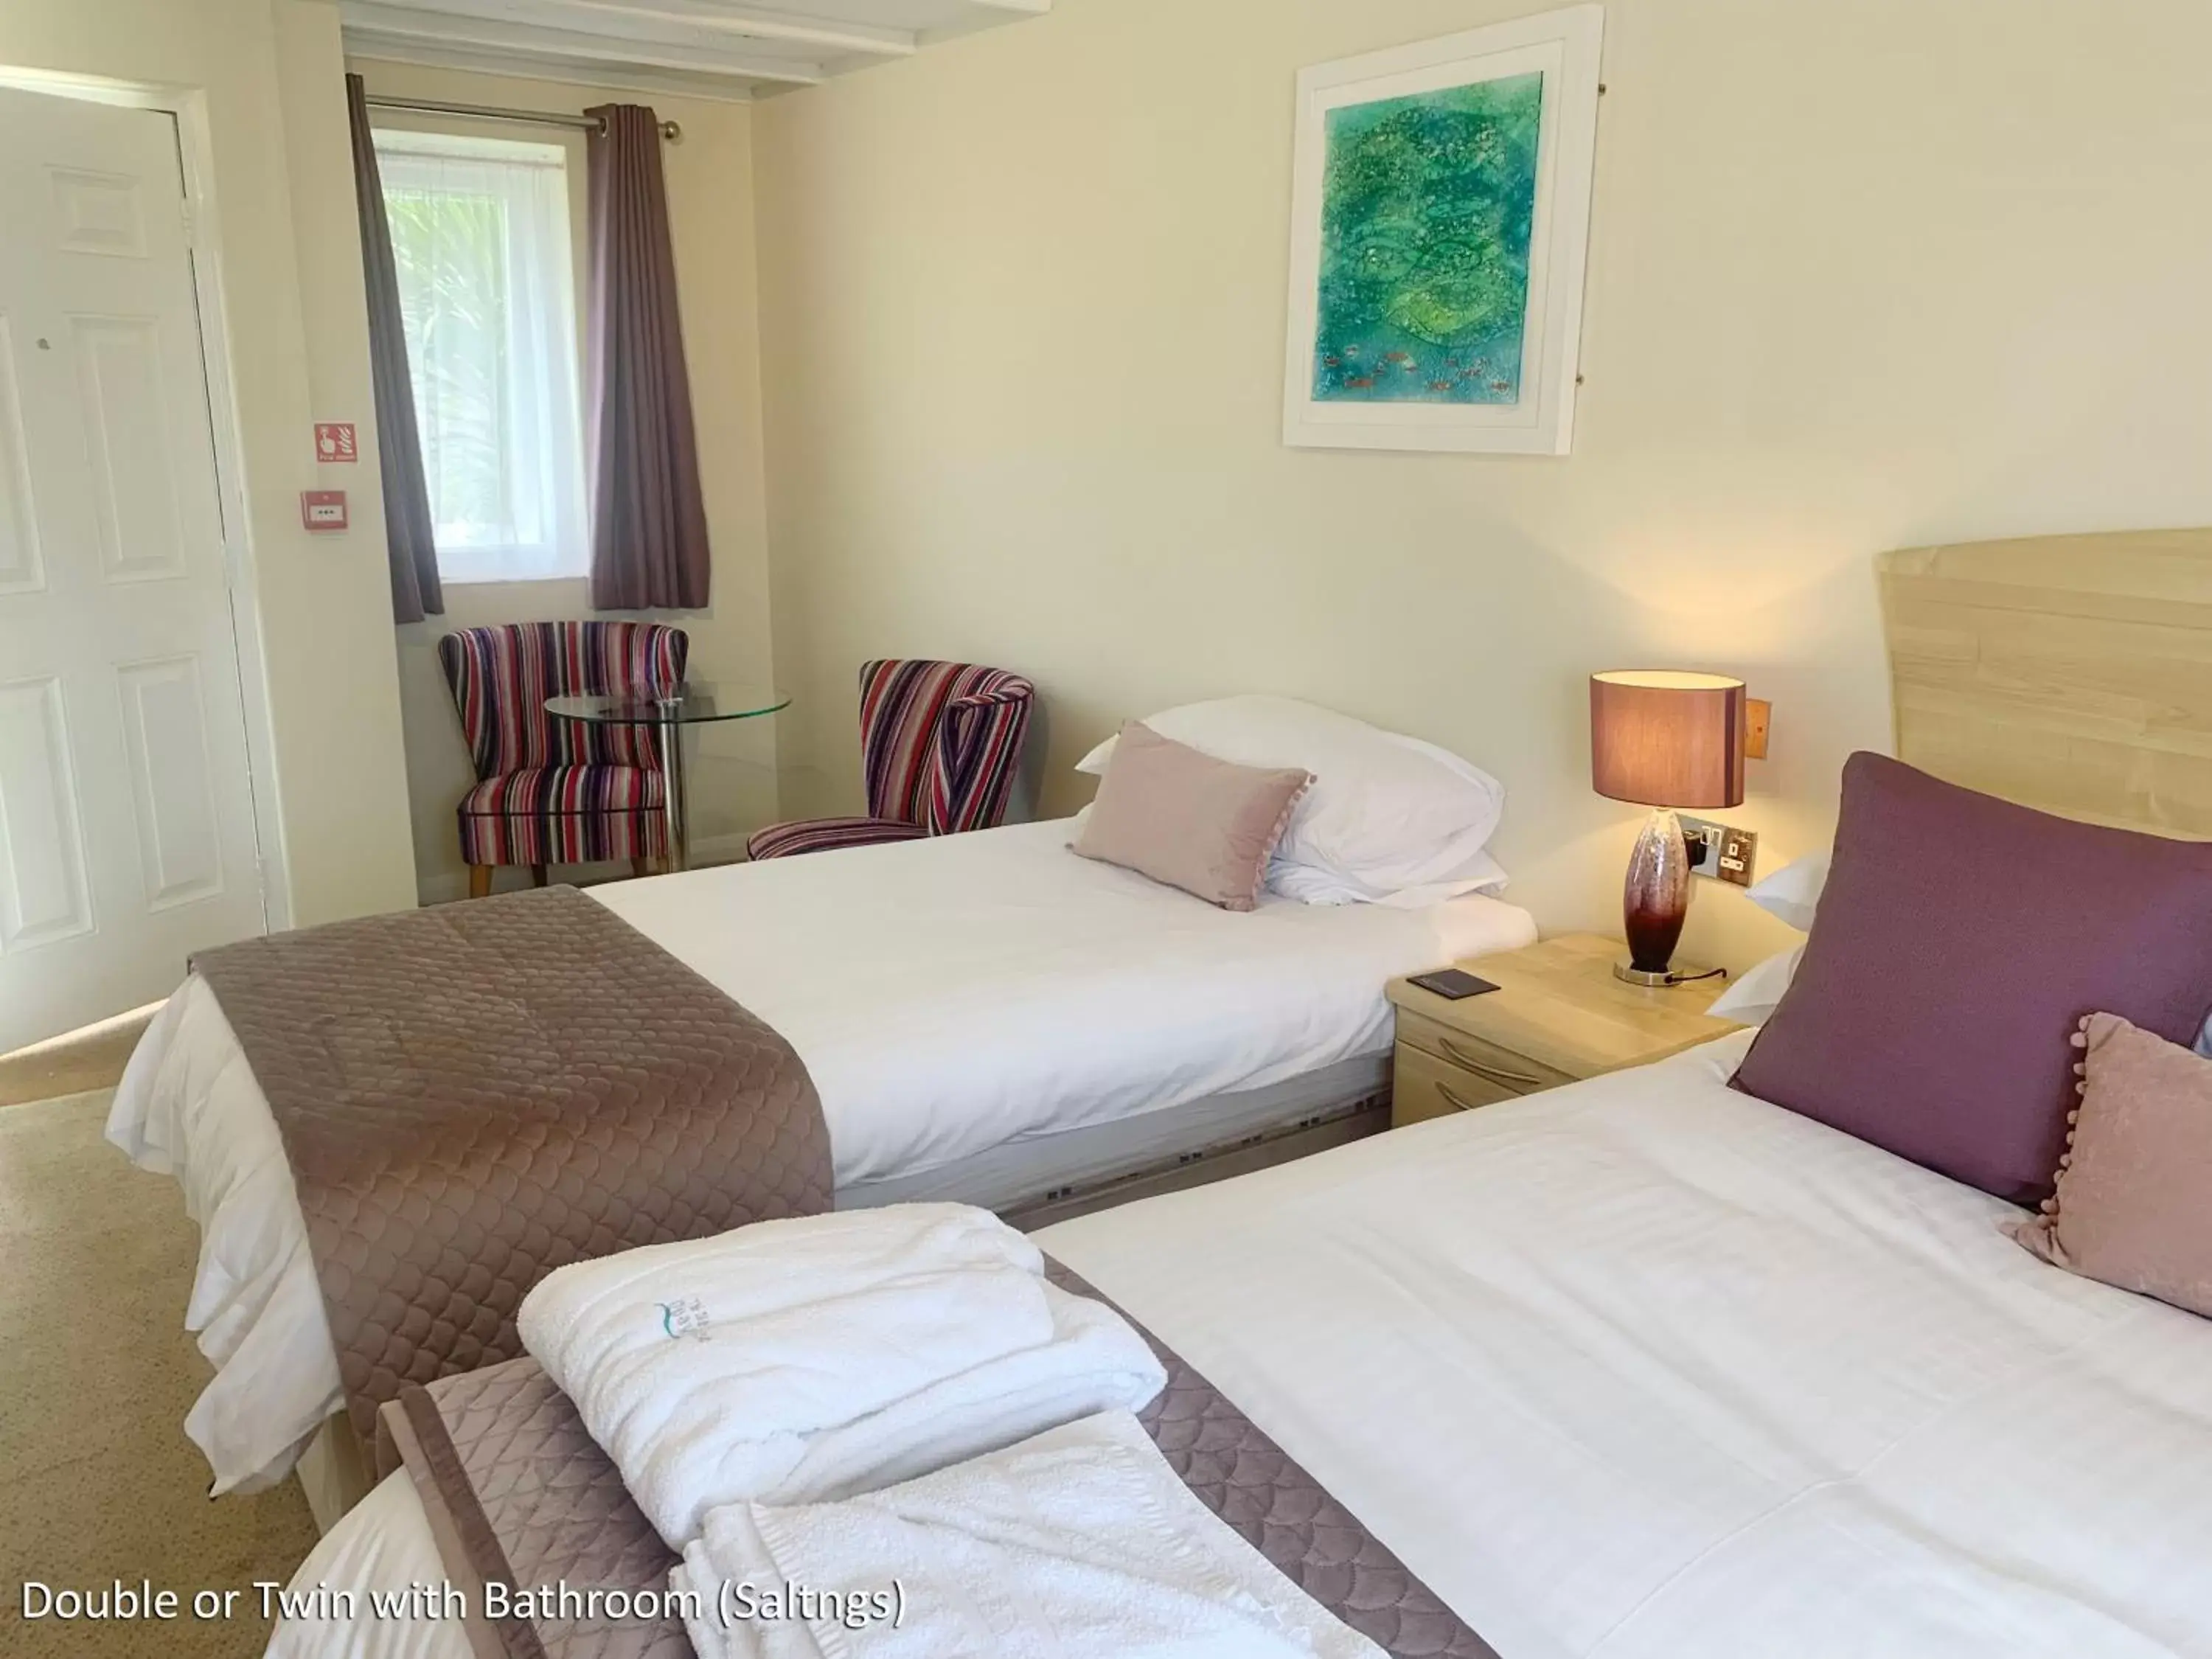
(500, 33)
(369, 47)
(752, 23)
(973, 17)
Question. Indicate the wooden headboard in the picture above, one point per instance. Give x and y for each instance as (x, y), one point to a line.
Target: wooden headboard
(2072, 673)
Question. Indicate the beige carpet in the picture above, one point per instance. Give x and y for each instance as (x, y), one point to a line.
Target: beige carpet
(97, 1481)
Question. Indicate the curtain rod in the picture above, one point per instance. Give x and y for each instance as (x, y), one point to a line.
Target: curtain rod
(668, 129)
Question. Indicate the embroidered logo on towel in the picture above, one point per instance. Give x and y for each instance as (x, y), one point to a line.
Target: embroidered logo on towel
(684, 1318)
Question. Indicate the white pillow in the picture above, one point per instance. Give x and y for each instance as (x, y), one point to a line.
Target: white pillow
(1309, 885)
(1387, 814)
(1793, 892)
(1758, 993)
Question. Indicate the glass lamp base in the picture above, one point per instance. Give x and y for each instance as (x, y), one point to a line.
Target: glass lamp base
(1655, 899)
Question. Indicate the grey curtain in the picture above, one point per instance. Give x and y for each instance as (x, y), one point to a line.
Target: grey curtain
(648, 518)
(407, 537)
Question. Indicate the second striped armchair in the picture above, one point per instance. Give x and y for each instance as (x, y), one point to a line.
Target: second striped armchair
(942, 742)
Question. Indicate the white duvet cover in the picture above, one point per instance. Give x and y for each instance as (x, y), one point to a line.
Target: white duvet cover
(947, 996)
(1645, 1367)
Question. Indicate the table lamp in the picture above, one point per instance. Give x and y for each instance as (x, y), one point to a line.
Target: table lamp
(1663, 740)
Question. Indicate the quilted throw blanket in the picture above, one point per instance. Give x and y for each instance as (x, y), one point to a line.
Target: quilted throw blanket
(474, 1095)
(520, 1496)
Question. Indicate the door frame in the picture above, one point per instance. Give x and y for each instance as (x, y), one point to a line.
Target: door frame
(186, 108)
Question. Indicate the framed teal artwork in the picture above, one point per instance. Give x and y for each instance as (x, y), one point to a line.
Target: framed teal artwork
(1440, 231)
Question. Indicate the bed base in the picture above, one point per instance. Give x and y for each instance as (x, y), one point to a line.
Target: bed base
(1317, 1132)
(334, 1471)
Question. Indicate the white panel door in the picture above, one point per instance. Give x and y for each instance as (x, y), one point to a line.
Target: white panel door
(126, 809)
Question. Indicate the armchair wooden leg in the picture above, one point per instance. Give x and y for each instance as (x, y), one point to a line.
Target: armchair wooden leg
(640, 867)
(536, 875)
(479, 881)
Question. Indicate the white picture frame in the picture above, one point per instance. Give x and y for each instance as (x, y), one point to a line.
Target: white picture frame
(1459, 399)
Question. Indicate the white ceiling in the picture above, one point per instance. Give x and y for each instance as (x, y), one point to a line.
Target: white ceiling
(702, 48)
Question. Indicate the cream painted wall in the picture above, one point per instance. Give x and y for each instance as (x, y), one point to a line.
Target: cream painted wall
(709, 174)
(1863, 277)
(263, 78)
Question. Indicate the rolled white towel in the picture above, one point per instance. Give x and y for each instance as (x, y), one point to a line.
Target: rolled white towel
(1080, 1543)
(797, 1361)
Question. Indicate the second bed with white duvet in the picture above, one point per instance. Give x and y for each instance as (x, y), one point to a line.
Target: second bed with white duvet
(979, 1013)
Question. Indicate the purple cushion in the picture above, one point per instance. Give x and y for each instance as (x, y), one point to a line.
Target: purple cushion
(1961, 941)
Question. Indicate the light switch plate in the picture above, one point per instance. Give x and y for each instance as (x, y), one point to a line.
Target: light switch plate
(1705, 831)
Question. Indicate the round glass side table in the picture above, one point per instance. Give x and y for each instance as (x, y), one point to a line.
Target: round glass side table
(695, 702)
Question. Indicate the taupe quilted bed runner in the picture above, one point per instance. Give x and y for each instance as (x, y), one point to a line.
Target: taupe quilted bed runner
(520, 1495)
(474, 1095)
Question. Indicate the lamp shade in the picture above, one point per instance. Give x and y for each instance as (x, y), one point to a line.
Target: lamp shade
(1660, 738)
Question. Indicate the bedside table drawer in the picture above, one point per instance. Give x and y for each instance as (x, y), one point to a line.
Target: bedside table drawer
(1422, 1087)
(1475, 1060)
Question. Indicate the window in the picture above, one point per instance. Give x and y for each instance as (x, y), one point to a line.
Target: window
(480, 236)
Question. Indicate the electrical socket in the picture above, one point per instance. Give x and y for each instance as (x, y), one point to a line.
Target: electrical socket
(1739, 857)
(1728, 855)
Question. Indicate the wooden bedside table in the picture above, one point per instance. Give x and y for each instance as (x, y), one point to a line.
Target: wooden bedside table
(1559, 1016)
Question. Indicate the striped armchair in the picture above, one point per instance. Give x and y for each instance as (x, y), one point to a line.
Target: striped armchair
(553, 791)
(942, 741)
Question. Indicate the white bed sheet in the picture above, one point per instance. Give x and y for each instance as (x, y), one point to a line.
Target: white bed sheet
(384, 1546)
(949, 996)
(953, 995)
(1645, 1367)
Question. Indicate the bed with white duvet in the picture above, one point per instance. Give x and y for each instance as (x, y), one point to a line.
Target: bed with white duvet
(1647, 1367)
(980, 1013)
